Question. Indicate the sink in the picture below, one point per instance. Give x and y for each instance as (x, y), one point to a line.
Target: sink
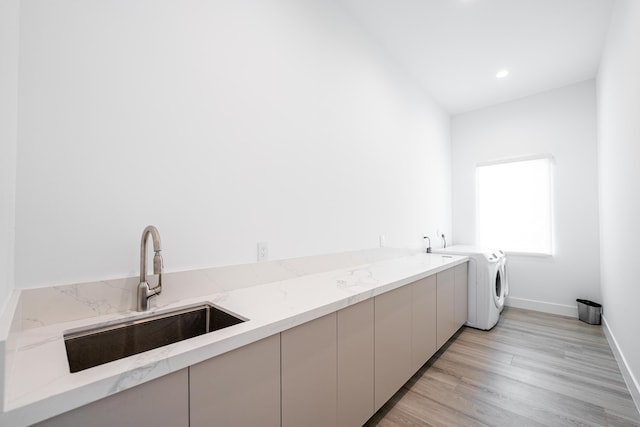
(98, 345)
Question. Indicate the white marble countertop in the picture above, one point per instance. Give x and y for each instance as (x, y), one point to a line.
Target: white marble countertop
(39, 385)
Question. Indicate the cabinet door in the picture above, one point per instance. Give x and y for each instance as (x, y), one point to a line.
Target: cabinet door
(239, 388)
(446, 324)
(424, 312)
(461, 297)
(392, 343)
(309, 374)
(161, 402)
(355, 364)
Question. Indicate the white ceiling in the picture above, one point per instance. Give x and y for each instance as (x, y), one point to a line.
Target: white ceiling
(454, 48)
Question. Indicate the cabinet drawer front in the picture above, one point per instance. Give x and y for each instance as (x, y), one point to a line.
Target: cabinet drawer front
(309, 371)
(392, 343)
(239, 388)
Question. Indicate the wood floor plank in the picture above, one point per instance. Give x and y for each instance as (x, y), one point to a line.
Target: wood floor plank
(531, 369)
(562, 386)
(527, 400)
(560, 383)
(412, 410)
(587, 373)
(465, 400)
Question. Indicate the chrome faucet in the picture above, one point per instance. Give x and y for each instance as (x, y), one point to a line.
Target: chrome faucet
(144, 290)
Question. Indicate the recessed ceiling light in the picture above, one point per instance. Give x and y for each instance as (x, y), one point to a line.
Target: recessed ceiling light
(502, 74)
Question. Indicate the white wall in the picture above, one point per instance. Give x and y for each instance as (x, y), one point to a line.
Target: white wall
(619, 152)
(561, 122)
(9, 32)
(224, 123)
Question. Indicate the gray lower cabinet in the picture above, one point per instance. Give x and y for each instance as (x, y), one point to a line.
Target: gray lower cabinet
(447, 325)
(327, 369)
(392, 343)
(424, 318)
(239, 388)
(355, 364)
(160, 402)
(461, 294)
(405, 335)
(309, 373)
(452, 290)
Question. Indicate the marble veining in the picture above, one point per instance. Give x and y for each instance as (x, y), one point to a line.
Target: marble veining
(146, 366)
(56, 304)
(38, 385)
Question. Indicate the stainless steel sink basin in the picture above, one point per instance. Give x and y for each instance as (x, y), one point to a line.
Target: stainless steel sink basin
(94, 346)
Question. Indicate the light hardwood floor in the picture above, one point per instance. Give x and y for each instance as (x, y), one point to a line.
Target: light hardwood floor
(531, 369)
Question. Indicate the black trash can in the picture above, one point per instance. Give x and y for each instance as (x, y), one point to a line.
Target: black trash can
(589, 311)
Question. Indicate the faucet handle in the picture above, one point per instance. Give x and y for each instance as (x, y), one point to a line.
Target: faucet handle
(157, 263)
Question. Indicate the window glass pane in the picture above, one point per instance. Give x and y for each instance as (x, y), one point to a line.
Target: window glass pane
(514, 206)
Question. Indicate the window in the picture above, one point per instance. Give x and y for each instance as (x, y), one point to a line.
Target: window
(514, 200)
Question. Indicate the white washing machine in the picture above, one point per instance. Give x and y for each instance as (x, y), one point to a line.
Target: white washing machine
(486, 284)
(503, 273)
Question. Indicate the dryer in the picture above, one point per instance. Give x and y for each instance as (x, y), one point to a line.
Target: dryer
(486, 284)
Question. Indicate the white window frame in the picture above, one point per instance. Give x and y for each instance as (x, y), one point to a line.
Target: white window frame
(551, 160)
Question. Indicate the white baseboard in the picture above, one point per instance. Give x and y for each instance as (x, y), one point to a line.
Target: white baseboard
(545, 307)
(629, 379)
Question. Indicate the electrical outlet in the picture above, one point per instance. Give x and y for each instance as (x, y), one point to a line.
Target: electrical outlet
(263, 251)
